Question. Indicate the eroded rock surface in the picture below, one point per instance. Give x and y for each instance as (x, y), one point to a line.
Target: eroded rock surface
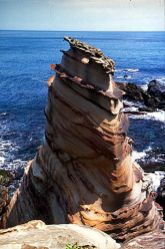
(84, 173)
(37, 235)
(152, 240)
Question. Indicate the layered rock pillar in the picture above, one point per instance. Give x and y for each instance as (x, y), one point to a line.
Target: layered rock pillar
(84, 173)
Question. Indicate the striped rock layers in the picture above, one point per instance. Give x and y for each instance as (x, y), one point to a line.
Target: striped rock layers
(83, 173)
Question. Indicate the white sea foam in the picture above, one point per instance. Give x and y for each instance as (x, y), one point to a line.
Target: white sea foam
(127, 77)
(156, 116)
(119, 77)
(131, 70)
(119, 70)
(160, 115)
(132, 106)
(156, 177)
(136, 155)
(3, 114)
(7, 148)
(144, 87)
(2, 159)
(3, 147)
(161, 80)
(124, 77)
(7, 162)
(129, 103)
(130, 109)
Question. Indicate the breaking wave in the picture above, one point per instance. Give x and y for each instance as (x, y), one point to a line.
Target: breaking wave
(161, 80)
(131, 70)
(136, 155)
(156, 177)
(155, 116)
(7, 156)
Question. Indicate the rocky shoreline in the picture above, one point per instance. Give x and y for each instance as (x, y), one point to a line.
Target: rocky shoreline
(84, 173)
(151, 99)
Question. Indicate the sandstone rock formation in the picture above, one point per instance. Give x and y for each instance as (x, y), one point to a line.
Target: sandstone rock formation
(152, 240)
(36, 235)
(84, 173)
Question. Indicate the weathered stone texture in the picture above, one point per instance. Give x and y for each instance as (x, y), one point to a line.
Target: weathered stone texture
(36, 235)
(84, 173)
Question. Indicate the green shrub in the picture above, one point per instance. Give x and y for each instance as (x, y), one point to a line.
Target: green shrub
(75, 246)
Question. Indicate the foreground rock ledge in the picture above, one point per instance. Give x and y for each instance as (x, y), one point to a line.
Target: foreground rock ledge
(37, 235)
(84, 173)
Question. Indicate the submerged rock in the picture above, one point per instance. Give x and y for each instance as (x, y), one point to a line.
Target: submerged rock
(84, 173)
(36, 235)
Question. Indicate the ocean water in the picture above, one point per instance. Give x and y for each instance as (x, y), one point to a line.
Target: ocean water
(25, 57)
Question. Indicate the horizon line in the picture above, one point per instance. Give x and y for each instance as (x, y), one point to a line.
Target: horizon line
(44, 30)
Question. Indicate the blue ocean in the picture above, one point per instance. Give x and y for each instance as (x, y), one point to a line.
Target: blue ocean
(25, 57)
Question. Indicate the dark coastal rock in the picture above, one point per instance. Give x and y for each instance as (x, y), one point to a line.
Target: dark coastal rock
(152, 99)
(161, 195)
(132, 92)
(151, 166)
(157, 92)
(83, 173)
(5, 179)
(156, 88)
